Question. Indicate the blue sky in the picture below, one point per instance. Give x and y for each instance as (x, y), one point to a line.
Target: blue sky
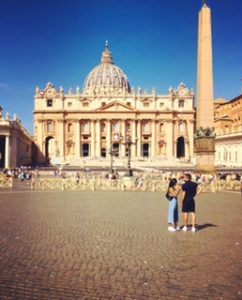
(153, 41)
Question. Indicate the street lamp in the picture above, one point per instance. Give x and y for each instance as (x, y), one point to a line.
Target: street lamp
(113, 151)
(129, 143)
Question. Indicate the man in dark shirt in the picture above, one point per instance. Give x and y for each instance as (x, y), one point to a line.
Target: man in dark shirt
(190, 190)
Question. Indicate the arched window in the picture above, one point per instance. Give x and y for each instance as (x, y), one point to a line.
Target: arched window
(69, 127)
(161, 127)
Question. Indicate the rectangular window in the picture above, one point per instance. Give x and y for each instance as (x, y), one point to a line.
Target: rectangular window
(161, 104)
(146, 104)
(85, 104)
(49, 103)
(103, 103)
(69, 104)
(181, 103)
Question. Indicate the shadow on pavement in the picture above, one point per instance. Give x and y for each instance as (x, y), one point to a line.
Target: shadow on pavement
(206, 225)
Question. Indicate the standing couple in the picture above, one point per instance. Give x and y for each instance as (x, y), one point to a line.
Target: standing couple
(189, 190)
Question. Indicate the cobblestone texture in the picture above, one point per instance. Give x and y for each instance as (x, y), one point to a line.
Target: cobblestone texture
(107, 245)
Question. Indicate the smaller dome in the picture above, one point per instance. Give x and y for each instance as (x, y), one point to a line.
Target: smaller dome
(107, 75)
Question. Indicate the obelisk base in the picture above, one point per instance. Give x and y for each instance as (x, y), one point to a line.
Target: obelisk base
(205, 154)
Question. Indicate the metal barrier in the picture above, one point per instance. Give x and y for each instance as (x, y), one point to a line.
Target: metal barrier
(6, 182)
(99, 184)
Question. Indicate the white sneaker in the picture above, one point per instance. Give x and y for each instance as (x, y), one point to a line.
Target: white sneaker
(171, 229)
(184, 228)
(193, 229)
(178, 228)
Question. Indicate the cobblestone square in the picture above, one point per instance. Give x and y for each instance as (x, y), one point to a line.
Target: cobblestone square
(115, 245)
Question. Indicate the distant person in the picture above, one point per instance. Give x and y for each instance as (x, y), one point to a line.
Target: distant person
(190, 190)
(172, 194)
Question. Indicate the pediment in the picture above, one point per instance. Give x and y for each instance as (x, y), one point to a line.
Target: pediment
(116, 106)
(146, 99)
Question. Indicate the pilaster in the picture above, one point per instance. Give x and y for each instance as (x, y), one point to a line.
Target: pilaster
(139, 138)
(98, 138)
(153, 139)
(78, 139)
(7, 152)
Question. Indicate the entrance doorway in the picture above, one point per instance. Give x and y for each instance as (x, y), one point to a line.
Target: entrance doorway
(180, 147)
(49, 147)
(85, 150)
(145, 149)
(2, 151)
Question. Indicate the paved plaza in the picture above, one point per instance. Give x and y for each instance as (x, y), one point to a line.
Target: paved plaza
(115, 245)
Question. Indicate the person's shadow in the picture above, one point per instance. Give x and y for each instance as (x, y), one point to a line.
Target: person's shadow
(206, 225)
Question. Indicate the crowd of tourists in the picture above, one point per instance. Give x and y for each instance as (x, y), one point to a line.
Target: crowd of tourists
(26, 173)
(22, 173)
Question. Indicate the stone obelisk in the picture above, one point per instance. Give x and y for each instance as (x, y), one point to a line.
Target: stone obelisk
(205, 137)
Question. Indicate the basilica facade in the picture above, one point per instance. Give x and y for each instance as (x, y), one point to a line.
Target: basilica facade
(97, 121)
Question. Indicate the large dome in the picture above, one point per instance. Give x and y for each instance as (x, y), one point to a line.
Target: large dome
(107, 75)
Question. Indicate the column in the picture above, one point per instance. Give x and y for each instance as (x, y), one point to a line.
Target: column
(14, 151)
(98, 138)
(153, 139)
(190, 132)
(108, 137)
(187, 154)
(39, 135)
(169, 139)
(175, 135)
(7, 162)
(134, 139)
(139, 138)
(92, 138)
(61, 134)
(78, 139)
(123, 133)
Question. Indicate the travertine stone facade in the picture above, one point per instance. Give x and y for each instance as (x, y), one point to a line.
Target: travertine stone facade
(70, 127)
(15, 142)
(228, 122)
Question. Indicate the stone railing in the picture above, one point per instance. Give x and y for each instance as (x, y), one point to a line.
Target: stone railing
(122, 185)
(6, 182)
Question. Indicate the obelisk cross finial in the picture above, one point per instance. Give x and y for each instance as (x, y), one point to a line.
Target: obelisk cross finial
(205, 2)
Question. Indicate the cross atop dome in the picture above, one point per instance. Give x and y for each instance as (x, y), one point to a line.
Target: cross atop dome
(107, 55)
